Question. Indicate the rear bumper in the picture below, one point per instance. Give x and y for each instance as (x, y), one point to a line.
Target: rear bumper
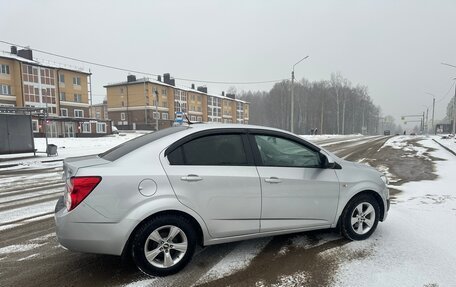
(90, 237)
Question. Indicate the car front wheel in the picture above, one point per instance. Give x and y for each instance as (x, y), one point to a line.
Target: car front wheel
(164, 245)
(360, 217)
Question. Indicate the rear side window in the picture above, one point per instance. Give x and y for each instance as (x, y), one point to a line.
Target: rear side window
(226, 149)
(129, 146)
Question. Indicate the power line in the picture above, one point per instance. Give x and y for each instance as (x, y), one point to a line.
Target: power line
(142, 72)
(446, 94)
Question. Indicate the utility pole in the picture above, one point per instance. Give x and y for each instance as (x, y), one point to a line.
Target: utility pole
(145, 103)
(433, 107)
(292, 95)
(427, 122)
(454, 111)
(90, 94)
(422, 129)
(156, 110)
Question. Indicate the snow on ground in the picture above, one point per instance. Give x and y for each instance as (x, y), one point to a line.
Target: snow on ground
(415, 245)
(326, 137)
(66, 147)
(18, 248)
(236, 260)
(447, 142)
(34, 210)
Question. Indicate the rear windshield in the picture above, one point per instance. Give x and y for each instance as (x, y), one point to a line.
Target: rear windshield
(129, 146)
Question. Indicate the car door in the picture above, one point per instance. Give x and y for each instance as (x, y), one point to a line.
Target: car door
(296, 191)
(214, 174)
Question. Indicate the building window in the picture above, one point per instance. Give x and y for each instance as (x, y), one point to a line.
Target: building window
(164, 116)
(63, 112)
(62, 78)
(5, 89)
(156, 115)
(4, 69)
(86, 128)
(101, 128)
(35, 126)
(76, 81)
(78, 113)
(122, 116)
(164, 92)
(98, 115)
(77, 98)
(62, 96)
(193, 118)
(199, 119)
(47, 76)
(31, 94)
(29, 73)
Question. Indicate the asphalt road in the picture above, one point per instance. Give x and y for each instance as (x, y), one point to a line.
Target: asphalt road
(31, 256)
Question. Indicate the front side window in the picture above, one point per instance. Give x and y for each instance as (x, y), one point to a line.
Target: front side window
(226, 150)
(277, 151)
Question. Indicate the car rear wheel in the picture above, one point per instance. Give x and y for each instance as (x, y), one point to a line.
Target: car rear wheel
(164, 245)
(360, 217)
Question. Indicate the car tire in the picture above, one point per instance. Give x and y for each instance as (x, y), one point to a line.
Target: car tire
(163, 245)
(360, 217)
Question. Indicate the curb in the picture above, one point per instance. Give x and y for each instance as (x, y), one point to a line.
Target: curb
(448, 149)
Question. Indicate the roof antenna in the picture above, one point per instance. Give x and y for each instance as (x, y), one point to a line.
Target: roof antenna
(188, 120)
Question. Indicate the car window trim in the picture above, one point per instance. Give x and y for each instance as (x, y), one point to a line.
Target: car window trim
(256, 152)
(221, 131)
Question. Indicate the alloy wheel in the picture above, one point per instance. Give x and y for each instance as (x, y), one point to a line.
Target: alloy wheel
(363, 218)
(165, 246)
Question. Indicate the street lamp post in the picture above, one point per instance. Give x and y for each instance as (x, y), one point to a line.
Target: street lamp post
(433, 108)
(454, 100)
(292, 95)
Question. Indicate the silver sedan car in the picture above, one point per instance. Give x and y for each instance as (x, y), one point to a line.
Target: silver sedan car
(159, 195)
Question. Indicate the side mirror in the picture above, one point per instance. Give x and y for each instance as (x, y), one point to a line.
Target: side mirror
(327, 161)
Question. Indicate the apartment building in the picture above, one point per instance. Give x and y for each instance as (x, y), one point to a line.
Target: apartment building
(99, 111)
(25, 82)
(142, 103)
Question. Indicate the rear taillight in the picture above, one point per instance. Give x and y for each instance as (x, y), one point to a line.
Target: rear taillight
(78, 188)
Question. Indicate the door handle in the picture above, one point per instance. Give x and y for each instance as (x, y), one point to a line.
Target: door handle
(273, 179)
(191, 177)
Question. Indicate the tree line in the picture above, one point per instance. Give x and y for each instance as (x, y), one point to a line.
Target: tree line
(332, 106)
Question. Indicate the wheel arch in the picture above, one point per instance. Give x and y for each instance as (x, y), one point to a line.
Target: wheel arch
(193, 221)
(372, 193)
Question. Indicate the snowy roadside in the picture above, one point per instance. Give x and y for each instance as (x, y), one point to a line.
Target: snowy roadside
(66, 147)
(415, 246)
(449, 143)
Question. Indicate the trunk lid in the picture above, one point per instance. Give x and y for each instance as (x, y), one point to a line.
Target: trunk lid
(71, 165)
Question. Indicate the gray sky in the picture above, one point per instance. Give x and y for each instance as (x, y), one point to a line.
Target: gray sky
(393, 47)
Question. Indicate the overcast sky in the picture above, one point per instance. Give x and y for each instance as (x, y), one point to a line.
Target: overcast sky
(393, 47)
